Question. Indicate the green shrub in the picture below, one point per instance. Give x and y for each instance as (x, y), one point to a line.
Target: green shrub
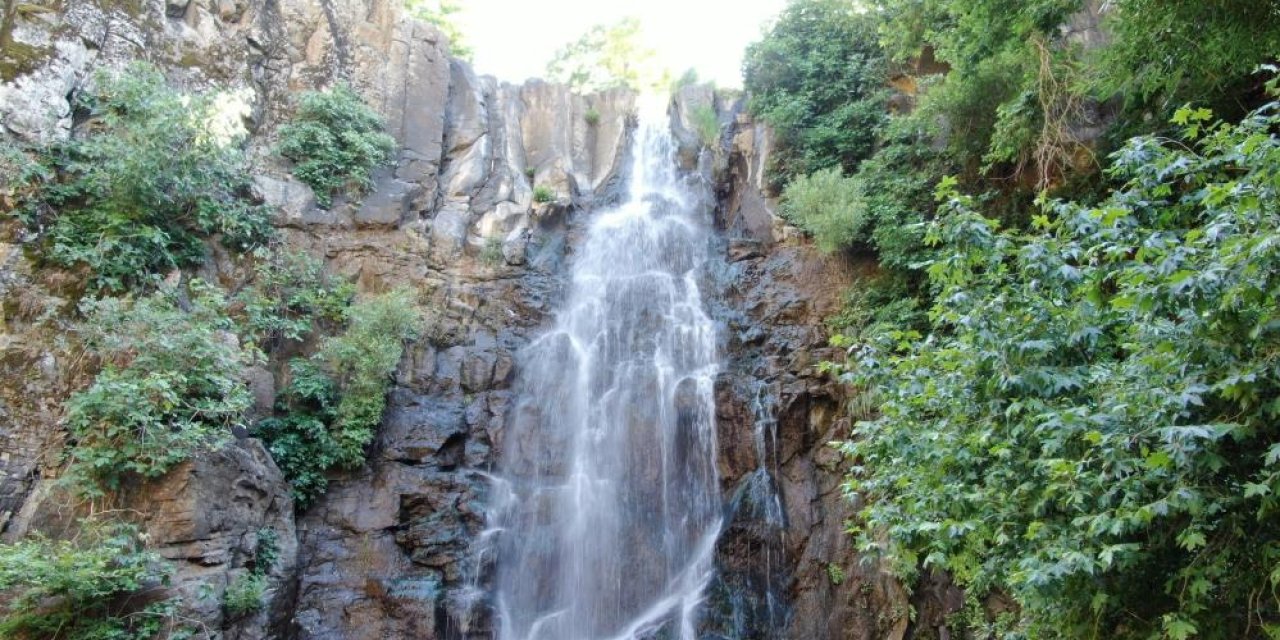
(707, 125)
(140, 188)
(829, 206)
(543, 194)
(20, 175)
(335, 142)
(333, 404)
(290, 294)
(492, 252)
(245, 595)
(170, 385)
(1089, 425)
(267, 552)
(96, 587)
(592, 116)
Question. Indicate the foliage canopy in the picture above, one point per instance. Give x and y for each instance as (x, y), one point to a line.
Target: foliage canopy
(1089, 423)
(819, 76)
(333, 404)
(171, 385)
(141, 187)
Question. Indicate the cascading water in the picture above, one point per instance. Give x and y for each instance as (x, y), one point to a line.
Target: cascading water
(607, 507)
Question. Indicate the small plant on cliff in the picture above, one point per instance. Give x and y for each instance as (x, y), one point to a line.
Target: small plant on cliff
(335, 142)
(140, 188)
(290, 295)
(492, 252)
(543, 194)
(334, 402)
(592, 116)
(101, 585)
(247, 593)
(170, 385)
(707, 125)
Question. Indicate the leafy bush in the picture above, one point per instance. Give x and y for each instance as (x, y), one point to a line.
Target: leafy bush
(897, 186)
(93, 588)
(290, 294)
(140, 189)
(20, 175)
(707, 125)
(828, 205)
(245, 595)
(819, 77)
(543, 194)
(335, 142)
(592, 116)
(333, 405)
(1089, 425)
(170, 385)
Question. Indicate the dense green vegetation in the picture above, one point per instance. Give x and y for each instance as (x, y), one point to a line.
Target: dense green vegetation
(170, 385)
(140, 188)
(335, 142)
(335, 399)
(149, 179)
(290, 297)
(1090, 423)
(91, 588)
(1067, 381)
(820, 78)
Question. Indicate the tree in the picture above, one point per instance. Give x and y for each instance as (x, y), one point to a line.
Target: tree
(819, 76)
(608, 57)
(441, 14)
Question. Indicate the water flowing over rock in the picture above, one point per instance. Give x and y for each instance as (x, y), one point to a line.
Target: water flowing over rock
(613, 427)
(608, 505)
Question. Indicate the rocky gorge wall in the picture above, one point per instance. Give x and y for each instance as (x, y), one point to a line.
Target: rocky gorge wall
(387, 552)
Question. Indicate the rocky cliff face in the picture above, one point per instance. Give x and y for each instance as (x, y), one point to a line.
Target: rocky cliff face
(387, 552)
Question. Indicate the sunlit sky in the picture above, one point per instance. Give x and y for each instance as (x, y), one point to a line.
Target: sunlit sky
(514, 39)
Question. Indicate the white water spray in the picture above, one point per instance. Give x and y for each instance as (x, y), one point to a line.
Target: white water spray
(608, 506)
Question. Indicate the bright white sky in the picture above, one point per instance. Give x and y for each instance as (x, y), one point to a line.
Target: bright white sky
(514, 39)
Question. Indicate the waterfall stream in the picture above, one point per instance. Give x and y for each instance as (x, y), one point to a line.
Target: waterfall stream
(607, 506)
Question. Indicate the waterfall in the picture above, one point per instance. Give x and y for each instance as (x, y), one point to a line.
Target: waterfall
(607, 506)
